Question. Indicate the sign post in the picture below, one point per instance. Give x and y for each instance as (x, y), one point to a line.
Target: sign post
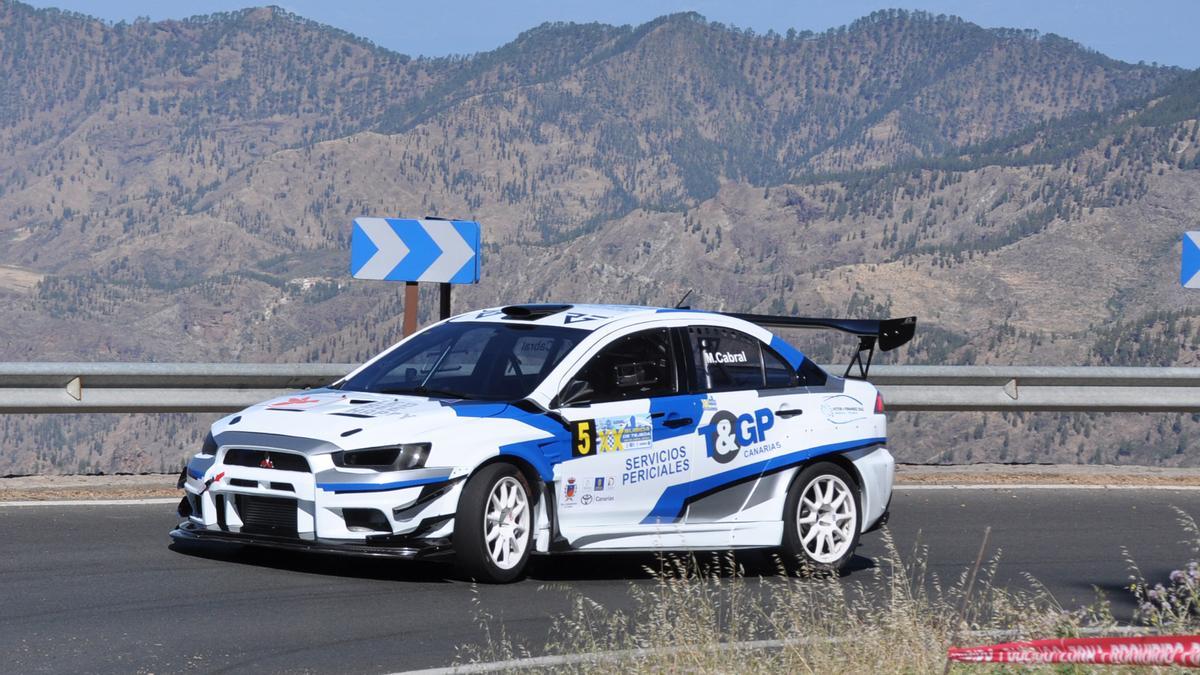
(444, 291)
(433, 250)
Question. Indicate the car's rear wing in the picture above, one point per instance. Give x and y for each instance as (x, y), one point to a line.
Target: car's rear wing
(886, 333)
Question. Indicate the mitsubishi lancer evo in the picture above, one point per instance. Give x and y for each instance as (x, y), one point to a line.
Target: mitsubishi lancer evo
(537, 429)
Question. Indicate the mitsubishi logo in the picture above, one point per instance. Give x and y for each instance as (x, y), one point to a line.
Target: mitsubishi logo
(266, 463)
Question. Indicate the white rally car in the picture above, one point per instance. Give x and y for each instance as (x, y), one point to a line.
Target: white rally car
(528, 429)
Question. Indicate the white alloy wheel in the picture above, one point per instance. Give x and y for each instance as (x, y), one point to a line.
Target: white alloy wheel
(826, 519)
(506, 523)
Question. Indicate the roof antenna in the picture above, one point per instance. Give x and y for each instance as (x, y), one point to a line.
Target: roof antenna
(680, 305)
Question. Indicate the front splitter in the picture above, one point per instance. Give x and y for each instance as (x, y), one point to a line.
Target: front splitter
(191, 532)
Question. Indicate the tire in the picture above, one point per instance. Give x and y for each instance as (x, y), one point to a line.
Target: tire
(823, 539)
(492, 541)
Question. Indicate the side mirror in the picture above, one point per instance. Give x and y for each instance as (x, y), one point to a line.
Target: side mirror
(577, 392)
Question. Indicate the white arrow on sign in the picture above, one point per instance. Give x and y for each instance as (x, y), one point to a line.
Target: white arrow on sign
(391, 249)
(455, 250)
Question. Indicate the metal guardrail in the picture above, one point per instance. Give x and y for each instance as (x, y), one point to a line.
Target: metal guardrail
(1034, 388)
(224, 387)
(153, 387)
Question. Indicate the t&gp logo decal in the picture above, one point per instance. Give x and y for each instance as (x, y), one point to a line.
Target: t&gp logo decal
(728, 433)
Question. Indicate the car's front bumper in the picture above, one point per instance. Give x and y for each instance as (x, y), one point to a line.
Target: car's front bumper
(287, 493)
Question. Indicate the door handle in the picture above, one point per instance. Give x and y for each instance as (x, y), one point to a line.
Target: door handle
(676, 422)
(789, 412)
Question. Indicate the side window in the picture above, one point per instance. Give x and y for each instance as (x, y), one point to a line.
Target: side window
(640, 365)
(811, 374)
(725, 360)
(779, 373)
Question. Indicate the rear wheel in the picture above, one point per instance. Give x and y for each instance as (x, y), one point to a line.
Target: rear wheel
(493, 529)
(822, 517)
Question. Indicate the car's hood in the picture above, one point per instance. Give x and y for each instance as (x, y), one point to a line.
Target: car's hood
(353, 419)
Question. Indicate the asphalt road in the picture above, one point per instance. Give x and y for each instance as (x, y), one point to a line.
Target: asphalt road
(98, 589)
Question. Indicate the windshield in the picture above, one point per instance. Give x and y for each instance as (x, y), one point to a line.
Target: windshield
(490, 361)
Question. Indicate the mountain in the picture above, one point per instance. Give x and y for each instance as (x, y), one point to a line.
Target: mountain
(183, 190)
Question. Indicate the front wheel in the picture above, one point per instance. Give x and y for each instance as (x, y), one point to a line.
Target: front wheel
(493, 528)
(821, 517)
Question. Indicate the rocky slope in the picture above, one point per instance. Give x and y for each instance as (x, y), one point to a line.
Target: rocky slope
(183, 191)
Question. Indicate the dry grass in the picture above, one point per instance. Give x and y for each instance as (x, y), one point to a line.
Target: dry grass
(18, 279)
(896, 617)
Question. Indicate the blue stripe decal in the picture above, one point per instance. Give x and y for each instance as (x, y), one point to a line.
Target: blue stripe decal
(541, 453)
(464, 408)
(670, 505)
(380, 487)
(794, 356)
(195, 475)
(687, 406)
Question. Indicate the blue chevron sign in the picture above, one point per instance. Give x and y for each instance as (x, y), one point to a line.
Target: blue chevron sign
(1189, 269)
(396, 249)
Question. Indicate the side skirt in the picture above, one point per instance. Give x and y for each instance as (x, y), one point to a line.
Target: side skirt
(704, 536)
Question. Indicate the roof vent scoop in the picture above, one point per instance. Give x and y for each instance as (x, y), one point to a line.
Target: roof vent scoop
(532, 312)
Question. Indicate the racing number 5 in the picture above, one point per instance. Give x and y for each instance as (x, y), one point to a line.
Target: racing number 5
(584, 438)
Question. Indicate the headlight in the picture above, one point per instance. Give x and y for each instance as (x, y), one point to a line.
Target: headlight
(210, 445)
(387, 458)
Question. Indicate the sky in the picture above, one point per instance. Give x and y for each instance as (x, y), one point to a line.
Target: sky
(1162, 31)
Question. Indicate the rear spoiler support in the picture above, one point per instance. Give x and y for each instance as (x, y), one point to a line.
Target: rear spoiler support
(888, 334)
(866, 343)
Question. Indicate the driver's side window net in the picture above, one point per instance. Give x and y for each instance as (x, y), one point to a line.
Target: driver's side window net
(640, 365)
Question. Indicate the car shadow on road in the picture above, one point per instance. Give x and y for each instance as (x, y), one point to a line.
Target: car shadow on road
(382, 569)
(609, 566)
(569, 567)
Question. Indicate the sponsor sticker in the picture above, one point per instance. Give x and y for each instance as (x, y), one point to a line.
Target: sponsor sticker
(658, 463)
(596, 495)
(611, 434)
(297, 402)
(385, 409)
(576, 317)
(842, 409)
(569, 490)
(597, 490)
(729, 434)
